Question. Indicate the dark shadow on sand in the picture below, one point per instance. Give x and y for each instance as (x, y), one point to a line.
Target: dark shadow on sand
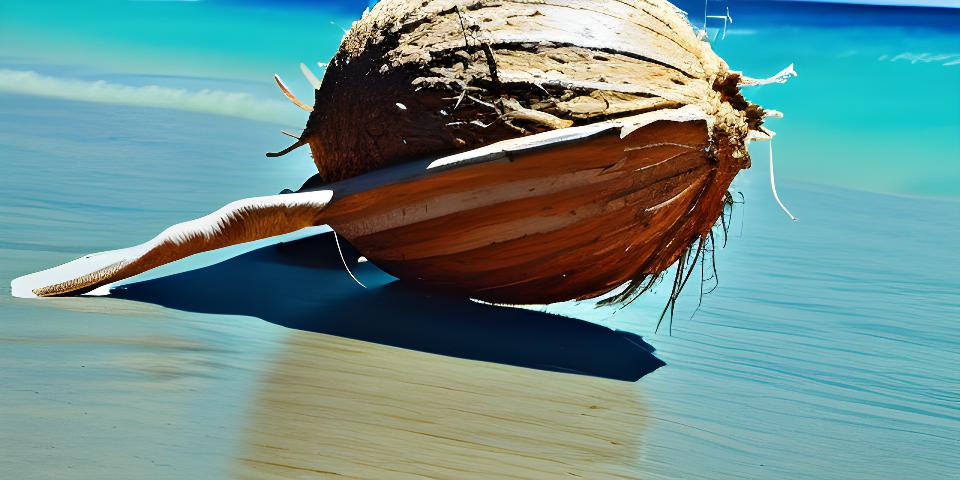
(303, 285)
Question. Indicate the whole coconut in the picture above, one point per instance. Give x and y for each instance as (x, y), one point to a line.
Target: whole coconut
(639, 130)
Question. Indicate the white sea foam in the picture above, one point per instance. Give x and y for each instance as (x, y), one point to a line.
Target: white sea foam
(218, 102)
(947, 59)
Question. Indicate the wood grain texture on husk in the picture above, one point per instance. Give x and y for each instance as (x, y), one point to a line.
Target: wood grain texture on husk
(549, 224)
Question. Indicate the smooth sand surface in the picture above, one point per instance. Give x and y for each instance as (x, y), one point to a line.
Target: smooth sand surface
(107, 387)
(334, 407)
(828, 350)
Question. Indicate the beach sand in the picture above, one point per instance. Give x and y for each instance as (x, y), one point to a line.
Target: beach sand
(142, 392)
(334, 407)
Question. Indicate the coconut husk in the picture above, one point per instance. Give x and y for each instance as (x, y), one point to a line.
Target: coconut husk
(420, 78)
(514, 151)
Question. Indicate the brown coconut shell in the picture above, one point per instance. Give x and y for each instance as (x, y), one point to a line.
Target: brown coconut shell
(414, 79)
(515, 151)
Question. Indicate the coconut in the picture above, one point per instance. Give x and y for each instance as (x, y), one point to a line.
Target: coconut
(431, 78)
(526, 151)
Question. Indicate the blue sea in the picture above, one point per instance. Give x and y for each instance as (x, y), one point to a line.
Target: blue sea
(830, 347)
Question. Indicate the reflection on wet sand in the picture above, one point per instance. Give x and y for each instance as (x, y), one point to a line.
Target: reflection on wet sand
(336, 407)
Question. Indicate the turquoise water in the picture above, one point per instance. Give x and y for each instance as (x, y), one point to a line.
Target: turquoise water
(829, 350)
(877, 85)
(876, 105)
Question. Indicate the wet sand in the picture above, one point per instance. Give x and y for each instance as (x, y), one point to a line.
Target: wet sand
(829, 349)
(142, 392)
(334, 407)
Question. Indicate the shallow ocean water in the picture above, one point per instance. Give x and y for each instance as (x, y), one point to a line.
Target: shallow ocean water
(830, 348)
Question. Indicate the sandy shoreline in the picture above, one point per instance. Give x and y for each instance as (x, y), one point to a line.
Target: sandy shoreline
(830, 345)
(145, 392)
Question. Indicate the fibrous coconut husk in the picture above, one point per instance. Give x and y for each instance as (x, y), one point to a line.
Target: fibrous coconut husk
(420, 78)
(584, 144)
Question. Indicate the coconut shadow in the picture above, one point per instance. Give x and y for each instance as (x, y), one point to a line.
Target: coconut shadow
(302, 285)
